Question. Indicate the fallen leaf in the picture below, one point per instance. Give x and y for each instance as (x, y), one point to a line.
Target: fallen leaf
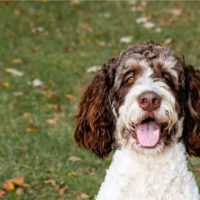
(169, 41)
(2, 193)
(136, 9)
(71, 173)
(69, 96)
(75, 1)
(63, 189)
(198, 170)
(143, 5)
(5, 84)
(93, 69)
(132, 2)
(101, 43)
(51, 121)
(17, 61)
(8, 185)
(141, 20)
(149, 25)
(126, 39)
(51, 93)
(27, 114)
(19, 191)
(66, 49)
(177, 11)
(14, 72)
(84, 196)
(31, 128)
(158, 30)
(37, 83)
(53, 183)
(105, 15)
(75, 159)
(19, 181)
(116, 53)
(50, 181)
(37, 30)
(18, 93)
(16, 12)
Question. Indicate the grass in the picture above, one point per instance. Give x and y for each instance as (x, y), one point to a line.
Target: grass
(56, 42)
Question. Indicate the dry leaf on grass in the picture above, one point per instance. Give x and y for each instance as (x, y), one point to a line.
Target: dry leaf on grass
(141, 20)
(19, 191)
(14, 72)
(169, 41)
(198, 170)
(53, 183)
(18, 93)
(71, 173)
(178, 10)
(51, 121)
(2, 193)
(17, 61)
(149, 25)
(126, 39)
(37, 83)
(101, 43)
(63, 189)
(9, 185)
(93, 69)
(84, 196)
(31, 127)
(75, 159)
(5, 84)
(69, 96)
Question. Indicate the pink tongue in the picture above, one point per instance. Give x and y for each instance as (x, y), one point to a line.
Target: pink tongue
(148, 134)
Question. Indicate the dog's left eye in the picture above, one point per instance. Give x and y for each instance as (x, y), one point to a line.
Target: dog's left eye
(130, 80)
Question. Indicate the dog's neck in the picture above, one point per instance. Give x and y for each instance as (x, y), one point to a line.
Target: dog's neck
(140, 177)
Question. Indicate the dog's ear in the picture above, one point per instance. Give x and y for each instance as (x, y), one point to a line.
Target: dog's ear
(95, 122)
(191, 131)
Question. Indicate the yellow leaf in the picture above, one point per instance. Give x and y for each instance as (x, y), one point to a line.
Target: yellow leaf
(5, 84)
(8, 185)
(17, 61)
(116, 53)
(16, 12)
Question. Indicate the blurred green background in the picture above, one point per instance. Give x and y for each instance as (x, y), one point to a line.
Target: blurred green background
(45, 50)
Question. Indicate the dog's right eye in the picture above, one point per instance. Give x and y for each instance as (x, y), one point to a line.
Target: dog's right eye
(165, 77)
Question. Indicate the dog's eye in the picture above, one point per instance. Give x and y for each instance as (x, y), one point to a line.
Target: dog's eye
(130, 80)
(165, 76)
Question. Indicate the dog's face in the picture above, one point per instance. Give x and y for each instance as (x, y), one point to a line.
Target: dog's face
(141, 100)
(147, 101)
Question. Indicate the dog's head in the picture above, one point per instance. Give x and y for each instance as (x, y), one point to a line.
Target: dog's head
(145, 99)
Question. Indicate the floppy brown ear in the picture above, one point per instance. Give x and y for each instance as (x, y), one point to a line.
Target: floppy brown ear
(95, 121)
(191, 131)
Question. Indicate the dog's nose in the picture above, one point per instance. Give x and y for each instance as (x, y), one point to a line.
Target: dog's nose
(149, 101)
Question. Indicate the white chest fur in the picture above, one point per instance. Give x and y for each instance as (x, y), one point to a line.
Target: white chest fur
(132, 176)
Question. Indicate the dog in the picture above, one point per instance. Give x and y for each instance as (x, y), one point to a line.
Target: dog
(145, 106)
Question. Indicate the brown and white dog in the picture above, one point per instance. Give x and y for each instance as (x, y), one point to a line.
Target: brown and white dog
(145, 105)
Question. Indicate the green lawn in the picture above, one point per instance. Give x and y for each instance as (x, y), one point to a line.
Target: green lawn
(56, 42)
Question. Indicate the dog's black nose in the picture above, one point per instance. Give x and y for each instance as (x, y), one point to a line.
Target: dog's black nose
(149, 101)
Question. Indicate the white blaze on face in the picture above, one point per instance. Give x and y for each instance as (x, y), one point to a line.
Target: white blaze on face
(130, 113)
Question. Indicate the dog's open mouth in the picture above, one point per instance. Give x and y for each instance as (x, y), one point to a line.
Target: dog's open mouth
(148, 133)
